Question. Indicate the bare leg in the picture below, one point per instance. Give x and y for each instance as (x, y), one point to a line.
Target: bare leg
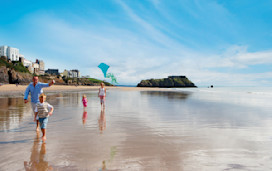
(37, 123)
(44, 134)
(104, 103)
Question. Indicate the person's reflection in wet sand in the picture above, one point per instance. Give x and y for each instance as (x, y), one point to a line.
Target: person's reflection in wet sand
(104, 168)
(112, 154)
(84, 117)
(37, 158)
(102, 121)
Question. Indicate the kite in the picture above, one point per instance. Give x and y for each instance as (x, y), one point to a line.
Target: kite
(104, 67)
(113, 79)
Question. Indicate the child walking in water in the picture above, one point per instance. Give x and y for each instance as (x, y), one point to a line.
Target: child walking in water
(102, 94)
(84, 101)
(41, 110)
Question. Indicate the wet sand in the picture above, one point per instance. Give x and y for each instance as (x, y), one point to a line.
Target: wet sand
(140, 130)
(13, 90)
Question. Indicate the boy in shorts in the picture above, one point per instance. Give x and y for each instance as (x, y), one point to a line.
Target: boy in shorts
(42, 111)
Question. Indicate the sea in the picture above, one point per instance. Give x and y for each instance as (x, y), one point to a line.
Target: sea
(177, 129)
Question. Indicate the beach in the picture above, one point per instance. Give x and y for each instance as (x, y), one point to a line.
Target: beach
(13, 90)
(140, 129)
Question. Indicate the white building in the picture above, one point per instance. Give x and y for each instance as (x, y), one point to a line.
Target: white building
(10, 53)
(27, 63)
(36, 68)
(74, 73)
(4, 51)
(41, 66)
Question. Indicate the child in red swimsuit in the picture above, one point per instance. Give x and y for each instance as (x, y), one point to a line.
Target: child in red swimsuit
(84, 101)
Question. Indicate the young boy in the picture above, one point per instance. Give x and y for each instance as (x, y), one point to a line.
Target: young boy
(42, 111)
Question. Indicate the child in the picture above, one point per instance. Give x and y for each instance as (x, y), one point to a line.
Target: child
(41, 111)
(102, 94)
(84, 101)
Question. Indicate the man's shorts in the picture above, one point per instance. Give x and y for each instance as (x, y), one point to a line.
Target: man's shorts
(43, 122)
(33, 106)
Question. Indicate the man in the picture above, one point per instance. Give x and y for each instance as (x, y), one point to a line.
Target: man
(35, 88)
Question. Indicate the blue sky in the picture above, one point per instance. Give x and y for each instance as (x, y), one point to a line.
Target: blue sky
(223, 42)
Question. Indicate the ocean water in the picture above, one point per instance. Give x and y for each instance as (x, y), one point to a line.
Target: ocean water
(174, 129)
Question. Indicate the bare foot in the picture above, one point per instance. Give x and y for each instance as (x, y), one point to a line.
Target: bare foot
(43, 138)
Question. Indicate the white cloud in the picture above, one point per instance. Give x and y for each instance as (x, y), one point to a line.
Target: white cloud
(133, 56)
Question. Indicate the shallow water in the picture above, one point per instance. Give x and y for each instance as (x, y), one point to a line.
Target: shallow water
(192, 129)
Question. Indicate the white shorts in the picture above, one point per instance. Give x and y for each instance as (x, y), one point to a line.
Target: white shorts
(33, 106)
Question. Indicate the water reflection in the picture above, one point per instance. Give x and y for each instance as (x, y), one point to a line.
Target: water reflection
(84, 117)
(12, 111)
(38, 158)
(109, 161)
(102, 121)
(168, 94)
(67, 99)
(152, 131)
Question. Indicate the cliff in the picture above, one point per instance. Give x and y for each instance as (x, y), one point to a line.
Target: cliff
(170, 82)
(10, 76)
(13, 73)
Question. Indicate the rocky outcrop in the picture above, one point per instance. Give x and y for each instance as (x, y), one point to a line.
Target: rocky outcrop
(4, 77)
(170, 82)
(46, 79)
(10, 76)
(19, 77)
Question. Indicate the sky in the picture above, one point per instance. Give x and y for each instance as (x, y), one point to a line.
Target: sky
(220, 43)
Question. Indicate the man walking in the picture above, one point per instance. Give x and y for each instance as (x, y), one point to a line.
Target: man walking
(35, 88)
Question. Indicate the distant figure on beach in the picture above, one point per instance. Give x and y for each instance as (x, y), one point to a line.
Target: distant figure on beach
(102, 121)
(35, 88)
(17, 82)
(43, 110)
(84, 117)
(84, 101)
(102, 95)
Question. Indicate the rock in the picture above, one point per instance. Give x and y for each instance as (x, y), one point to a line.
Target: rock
(4, 77)
(19, 77)
(170, 82)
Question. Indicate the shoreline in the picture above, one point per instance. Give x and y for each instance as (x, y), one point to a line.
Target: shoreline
(11, 90)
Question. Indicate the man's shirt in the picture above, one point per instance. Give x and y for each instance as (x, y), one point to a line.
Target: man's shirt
(35, 91)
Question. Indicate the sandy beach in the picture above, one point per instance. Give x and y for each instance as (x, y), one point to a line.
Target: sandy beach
(13, 90)
(140, 129)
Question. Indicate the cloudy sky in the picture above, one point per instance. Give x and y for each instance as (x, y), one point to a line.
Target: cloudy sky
(211, 42)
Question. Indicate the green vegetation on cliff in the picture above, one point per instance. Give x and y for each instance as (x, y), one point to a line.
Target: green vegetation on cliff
(99, 81)
(171, 81)
(15, 72)
(73, 81)
(17, 66)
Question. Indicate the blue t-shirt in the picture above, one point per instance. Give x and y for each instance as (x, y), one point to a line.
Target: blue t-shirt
(35, 91)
